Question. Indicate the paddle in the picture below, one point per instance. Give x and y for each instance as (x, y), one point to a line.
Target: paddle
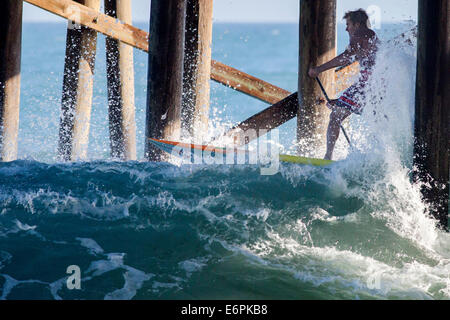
(328, 99)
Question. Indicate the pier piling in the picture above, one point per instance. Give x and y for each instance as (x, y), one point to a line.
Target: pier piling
(77, 89)
(120, 74)
(432, 116)
(10, 58)
(197, 68)
(317, 45)
(165, 73)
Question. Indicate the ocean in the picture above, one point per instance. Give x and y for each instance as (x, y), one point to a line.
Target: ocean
(144, 230)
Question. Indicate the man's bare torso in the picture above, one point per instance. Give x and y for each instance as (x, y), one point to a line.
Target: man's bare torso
(363, 46)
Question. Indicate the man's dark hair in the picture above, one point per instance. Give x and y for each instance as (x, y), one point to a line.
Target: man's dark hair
(358, 16)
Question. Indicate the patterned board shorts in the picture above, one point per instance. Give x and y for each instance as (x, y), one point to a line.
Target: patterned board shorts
(351, 98)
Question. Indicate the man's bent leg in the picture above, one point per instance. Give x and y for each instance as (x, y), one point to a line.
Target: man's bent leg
(336, 117)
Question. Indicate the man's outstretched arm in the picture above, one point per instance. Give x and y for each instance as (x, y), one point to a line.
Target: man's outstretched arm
(347, 57)
(341, 60)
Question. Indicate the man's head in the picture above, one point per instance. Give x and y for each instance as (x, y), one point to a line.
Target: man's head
(355, 20)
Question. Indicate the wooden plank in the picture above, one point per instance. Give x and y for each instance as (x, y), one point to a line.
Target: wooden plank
(197, 68)
(246, 83)
(432, 111)
(317, 45)
(165, 72)
(120, 74)
(95, 20)
(10, 57)
(76, 103)
(264, 121)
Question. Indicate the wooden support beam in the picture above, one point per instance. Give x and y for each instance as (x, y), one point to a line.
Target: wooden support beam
(317, 39)
(120, 74)
(246, 83)
(165, 74)
(77, 90)
(197, 68)
(10, 57)
(264, 121)
(91, 18)
(432, 113)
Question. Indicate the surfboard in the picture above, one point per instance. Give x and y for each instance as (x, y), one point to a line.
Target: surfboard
(182, 149)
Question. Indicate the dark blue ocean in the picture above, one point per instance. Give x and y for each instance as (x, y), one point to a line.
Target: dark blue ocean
(144, 230)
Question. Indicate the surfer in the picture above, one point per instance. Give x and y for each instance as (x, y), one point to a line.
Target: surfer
(363, 46)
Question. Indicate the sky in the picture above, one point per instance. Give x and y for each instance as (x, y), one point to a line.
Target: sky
(265, 10)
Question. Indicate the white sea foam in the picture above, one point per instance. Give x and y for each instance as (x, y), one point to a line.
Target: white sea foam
(133, 282)
(354, 272)
(11, 283)
(193, 265)
(24, 226)
(91, 245)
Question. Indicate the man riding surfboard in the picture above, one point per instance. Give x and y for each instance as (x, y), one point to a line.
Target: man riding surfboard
(363, 47)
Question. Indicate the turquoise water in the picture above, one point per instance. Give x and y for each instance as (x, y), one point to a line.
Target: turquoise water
(139, 230)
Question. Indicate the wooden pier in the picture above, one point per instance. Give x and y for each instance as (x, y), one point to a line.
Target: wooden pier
(317, 45)
(10, 58)
(180, 69)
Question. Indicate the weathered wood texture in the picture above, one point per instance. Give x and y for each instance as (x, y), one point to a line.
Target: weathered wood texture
(95, 20)
(432, 116)
(317, 45)
(120, 74)
(246, 83)
(165, 74)
(76, 106)
(264, 121)
(10, 57)
(197, 68)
